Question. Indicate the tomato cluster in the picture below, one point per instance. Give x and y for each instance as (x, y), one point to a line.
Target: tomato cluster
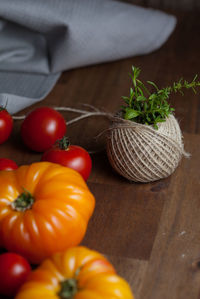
(40, 131)
(45, 208)
(43, 130)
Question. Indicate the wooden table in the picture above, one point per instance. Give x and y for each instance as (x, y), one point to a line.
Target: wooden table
(151, 232)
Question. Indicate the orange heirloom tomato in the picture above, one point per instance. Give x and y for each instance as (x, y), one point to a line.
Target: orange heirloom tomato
(78, 273)
(44, 208)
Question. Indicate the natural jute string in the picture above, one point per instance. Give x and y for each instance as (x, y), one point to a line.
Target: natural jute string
(142, 154)
(138, 152)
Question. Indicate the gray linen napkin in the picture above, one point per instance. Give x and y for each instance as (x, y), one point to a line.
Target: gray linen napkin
(40, 39)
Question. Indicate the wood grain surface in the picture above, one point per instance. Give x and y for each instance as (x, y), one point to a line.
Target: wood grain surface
(185, 5)
(149, 231)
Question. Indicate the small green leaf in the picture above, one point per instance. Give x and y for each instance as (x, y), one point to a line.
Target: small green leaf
(143, 86)
(153, 96)
(131, 113)
(148, 118)
(125, 98)
(195, 77)
(153, 84)
(140, 98)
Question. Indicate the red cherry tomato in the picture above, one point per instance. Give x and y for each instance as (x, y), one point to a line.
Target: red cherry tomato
(7, 164)
(13, 273)
(71, 156)
(6, 125)
(42, 127)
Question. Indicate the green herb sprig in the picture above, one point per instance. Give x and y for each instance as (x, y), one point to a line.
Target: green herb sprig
(145, 107)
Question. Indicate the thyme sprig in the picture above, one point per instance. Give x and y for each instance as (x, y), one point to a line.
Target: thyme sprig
(145, 107)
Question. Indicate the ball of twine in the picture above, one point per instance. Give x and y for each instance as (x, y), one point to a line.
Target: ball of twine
(141, 153)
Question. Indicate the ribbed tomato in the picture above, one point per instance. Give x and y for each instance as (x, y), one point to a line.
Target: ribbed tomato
(44, 208)
(78, 273)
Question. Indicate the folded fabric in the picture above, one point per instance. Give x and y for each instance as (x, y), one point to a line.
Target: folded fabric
(40, 39)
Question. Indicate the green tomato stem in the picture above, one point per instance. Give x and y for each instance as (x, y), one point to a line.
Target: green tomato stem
(23, 202)
(63, 143)
(68, 289)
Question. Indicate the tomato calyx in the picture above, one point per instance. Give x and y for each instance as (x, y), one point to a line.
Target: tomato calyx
(23, 202)
(63, 143)
(68, 288)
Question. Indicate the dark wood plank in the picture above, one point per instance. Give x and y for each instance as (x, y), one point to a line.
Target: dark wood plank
(132, 270)
(173, 270)
(125, 219)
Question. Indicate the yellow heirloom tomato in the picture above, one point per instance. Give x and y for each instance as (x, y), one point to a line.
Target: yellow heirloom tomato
(78, 273)
(44, 208)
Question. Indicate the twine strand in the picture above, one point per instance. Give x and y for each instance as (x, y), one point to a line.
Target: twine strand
(21, 117)
(85, 113)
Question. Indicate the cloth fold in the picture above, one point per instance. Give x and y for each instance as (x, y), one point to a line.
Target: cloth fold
(40, 39)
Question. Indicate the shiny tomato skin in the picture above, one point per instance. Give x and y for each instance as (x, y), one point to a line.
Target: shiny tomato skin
(6, 125)
(92, 274)
(14, 270)
(41, 128)
(74, 157)
(44, 208)
(7, 164)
